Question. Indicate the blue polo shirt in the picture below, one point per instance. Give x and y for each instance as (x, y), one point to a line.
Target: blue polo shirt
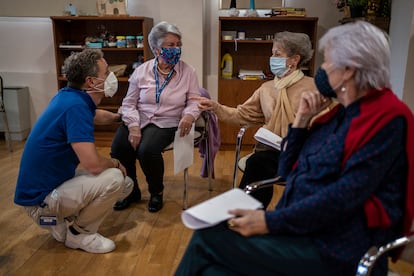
(48, 159)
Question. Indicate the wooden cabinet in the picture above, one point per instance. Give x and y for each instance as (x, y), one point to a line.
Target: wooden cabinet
(69, 34)
(253, 53)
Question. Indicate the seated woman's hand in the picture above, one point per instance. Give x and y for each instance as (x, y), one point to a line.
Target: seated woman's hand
(185, 124)
(248, 222)
(134, 136)
(311, 103)
(205, 103)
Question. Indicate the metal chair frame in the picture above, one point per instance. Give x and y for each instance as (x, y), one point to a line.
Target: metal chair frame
(239, 141)
(367, 262)
(239, 162)
(4, 116)
(201, 128)
(264, 184)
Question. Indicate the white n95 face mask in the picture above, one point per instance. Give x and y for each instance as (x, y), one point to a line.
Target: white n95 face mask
(110, 85)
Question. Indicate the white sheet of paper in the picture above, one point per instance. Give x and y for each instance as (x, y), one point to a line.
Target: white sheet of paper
(183, 150)
(215, 210)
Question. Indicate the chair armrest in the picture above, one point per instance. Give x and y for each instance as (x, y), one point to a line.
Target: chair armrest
(264, 183)
(367, 262)
(202, 120)
(239, 140)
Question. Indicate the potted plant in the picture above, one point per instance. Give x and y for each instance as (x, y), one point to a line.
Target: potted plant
(357, 7)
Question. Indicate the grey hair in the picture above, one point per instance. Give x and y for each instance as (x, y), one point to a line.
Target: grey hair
(80, 65)
(295, 44)
(158, 33)
(362, 46)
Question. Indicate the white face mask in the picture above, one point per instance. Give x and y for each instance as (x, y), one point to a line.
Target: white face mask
(278, 66)
(110, 85)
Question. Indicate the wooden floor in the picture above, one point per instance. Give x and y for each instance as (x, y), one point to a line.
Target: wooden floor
(147, 243)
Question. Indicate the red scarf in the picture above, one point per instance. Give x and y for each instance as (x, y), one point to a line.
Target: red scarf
(376, 110)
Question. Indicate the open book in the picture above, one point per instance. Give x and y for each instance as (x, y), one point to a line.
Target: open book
(269, 138)
(215, 210)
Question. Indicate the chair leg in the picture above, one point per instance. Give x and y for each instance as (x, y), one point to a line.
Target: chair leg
(185, 188)
(235, 169)
(239, 140)
(7, 131)
(209, 171)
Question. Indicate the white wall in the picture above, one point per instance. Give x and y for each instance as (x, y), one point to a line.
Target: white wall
(402, 52)
(27, 58)
(408, 94)
(188, 16)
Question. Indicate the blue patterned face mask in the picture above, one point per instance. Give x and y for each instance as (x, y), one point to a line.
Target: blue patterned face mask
(171, 55)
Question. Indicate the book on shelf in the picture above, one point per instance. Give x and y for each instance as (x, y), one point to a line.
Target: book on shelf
(289, 14)
(71, 46)
(251, 78)
(251, 74)
(288, 11)
(268, 138)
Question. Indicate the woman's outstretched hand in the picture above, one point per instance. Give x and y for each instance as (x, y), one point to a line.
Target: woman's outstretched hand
(205, 103)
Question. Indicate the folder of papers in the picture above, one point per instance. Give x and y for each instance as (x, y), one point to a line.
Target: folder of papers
(269, 138)
(215, 210)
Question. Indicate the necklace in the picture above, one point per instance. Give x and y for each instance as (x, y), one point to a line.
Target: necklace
(161, 71)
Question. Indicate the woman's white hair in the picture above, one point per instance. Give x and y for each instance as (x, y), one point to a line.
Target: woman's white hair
(158, 33)
(362, 46)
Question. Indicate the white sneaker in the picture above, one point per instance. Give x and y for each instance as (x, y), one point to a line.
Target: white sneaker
(92, 243)
(58, 231)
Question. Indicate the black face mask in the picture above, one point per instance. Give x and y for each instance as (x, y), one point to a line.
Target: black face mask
(323, 85)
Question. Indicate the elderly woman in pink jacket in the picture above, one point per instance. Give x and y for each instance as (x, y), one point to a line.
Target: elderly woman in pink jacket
(156, 105)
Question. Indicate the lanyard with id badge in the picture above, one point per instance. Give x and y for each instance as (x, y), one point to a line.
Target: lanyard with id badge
(46, 218)
(159, 89)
